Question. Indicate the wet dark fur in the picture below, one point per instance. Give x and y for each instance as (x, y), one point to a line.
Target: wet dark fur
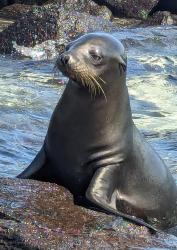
(92, 146)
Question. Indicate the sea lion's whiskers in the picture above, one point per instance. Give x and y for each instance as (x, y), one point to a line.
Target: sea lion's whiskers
(101, 79)
(82, 80)
(92, 86)
(89, 80)
(89, 88)
(95, 81)
(99, 86)
(83, 77)
(86, 80)
(92, 81)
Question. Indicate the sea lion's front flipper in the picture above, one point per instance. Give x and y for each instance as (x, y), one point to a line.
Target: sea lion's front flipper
(102, 192)
(37, 170)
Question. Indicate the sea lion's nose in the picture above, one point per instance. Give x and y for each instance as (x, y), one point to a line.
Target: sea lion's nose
(64, 58)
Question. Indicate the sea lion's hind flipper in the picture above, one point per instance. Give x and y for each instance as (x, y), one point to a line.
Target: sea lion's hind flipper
(101, 192)
(36, 169)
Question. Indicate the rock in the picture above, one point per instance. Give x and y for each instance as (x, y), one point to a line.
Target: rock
(127, 22)
(4, 3)
(163, 5)
(129, 8)
(45, 51)
(37, 215)
(169, 19)
(87, 6)
(14, 11)
(50, 22)
(162, 18)
(54, 25)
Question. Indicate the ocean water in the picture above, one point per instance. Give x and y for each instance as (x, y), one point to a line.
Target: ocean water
(29, 92)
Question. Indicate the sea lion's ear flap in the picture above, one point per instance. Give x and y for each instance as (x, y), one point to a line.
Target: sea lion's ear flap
(122, 62)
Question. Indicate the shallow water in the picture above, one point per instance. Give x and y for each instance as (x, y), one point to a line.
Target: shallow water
(28, 96)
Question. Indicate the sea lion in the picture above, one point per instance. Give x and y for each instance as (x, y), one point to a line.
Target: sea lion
(92, 146)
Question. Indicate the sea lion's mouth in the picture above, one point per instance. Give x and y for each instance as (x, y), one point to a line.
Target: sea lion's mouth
(61, 67)
(68, 73)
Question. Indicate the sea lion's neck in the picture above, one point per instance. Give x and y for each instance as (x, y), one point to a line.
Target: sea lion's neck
(109, 122)
(114, 108)
(120, 111)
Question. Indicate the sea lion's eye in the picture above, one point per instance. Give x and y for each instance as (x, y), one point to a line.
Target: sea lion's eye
(94, 55)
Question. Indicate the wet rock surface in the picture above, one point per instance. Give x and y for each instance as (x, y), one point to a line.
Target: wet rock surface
(129, 8)
(164, 18)
(36, 215)
(87, 6)
(4, 3)
(50, 22)
(14, 11)
(61, 21)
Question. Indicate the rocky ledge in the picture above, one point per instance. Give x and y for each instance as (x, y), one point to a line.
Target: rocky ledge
(62, 21)
(36, 215)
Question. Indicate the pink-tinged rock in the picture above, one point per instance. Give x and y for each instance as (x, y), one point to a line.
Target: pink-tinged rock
(37, 215)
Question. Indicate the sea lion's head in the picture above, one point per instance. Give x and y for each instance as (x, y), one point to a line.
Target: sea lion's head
(90, 59)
